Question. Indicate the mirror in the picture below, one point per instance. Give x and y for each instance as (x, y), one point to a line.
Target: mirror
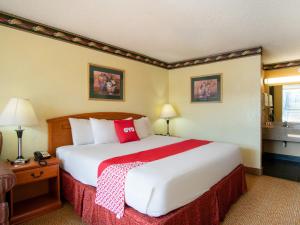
(285, 103)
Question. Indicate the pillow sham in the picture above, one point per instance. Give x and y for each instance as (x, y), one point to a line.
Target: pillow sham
(148, 126)
(126, 131)
(143, 127)
(81, 131)
(103, 131)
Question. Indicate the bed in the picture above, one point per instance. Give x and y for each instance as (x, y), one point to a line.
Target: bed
(187, 188)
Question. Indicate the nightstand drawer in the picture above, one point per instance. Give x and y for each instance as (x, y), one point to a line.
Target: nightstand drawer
(37, 174)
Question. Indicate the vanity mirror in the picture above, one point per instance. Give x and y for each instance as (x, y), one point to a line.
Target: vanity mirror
(286, 103)
(282, 107)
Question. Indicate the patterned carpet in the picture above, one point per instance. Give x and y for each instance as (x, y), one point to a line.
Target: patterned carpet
(269, 201)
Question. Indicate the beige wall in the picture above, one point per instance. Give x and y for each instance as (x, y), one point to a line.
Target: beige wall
(53, 74)
(236, 119)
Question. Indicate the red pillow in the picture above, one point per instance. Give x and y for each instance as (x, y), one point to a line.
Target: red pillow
(126, 131)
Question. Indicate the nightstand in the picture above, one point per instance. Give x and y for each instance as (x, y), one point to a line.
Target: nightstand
(37, 190)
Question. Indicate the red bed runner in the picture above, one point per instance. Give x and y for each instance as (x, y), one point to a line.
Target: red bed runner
(112, 172)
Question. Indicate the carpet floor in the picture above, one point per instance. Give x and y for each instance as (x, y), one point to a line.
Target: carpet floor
(269, 201)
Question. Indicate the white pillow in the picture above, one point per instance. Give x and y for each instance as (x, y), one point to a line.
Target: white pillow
(143, 127)
(148, 125)
(103, 131)
(81, 131)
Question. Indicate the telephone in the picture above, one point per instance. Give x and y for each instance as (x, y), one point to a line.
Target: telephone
(38, 156)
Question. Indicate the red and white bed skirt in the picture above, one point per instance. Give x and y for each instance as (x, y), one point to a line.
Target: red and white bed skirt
(208, 209)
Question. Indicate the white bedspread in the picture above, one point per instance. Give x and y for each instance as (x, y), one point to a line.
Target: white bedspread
(161, 186)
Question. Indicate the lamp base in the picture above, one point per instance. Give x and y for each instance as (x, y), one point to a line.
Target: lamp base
(168, 129)
(19, 161)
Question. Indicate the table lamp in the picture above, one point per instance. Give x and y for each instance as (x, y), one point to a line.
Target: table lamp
(167, 113)
(18, 112)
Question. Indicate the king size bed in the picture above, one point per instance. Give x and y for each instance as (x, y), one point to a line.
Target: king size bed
(194, 187)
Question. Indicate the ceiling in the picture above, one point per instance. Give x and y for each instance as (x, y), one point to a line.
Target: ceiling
(172, 30)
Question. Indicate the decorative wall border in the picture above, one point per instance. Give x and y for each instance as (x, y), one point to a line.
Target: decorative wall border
(45, 30)
(281, 65)
(216, 58)
(20, 23)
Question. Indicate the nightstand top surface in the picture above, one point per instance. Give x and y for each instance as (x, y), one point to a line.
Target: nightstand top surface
(32, 164)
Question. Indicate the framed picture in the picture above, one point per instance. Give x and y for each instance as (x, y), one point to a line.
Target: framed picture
(105, 83)
(206, 88)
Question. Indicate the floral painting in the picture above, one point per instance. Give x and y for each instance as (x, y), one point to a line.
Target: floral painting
(206, 88)
(106, 83)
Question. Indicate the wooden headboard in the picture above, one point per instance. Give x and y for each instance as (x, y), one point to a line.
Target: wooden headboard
(59, 129)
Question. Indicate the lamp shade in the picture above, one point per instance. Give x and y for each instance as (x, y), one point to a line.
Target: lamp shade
(18, 112)
(167, 111)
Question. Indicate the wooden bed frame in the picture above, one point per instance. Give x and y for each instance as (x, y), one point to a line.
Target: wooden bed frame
(59, 129)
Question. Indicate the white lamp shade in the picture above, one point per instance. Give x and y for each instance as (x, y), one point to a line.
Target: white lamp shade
(18, 112)
(167, 111)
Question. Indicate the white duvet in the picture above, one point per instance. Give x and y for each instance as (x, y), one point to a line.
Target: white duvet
(161, 186)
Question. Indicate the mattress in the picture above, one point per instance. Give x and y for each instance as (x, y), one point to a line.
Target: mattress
(157, 187)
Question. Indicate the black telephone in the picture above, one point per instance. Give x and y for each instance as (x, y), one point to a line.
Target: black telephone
(41, 156)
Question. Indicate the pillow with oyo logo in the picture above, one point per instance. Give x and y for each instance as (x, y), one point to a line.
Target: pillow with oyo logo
(126, 131)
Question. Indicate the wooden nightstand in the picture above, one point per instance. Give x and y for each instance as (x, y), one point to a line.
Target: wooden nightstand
(37, 190)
